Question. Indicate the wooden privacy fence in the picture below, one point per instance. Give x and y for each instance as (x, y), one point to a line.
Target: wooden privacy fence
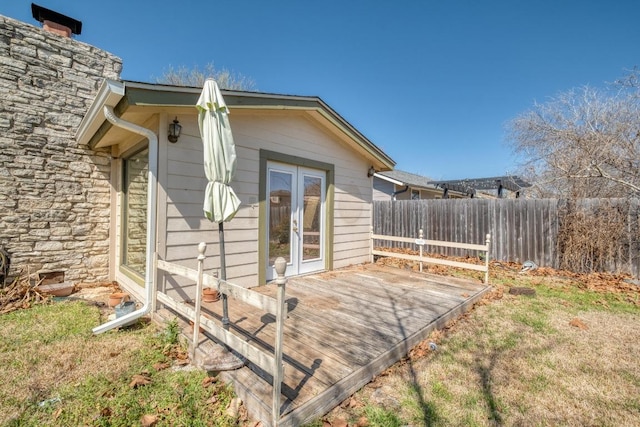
(270, 363)
(520, 229)
(421, 242)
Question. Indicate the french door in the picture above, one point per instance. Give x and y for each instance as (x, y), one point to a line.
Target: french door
(295, 218)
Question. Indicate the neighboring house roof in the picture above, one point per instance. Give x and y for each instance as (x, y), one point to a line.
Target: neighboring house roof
(399, 177)
(141, 100)
(510, 182)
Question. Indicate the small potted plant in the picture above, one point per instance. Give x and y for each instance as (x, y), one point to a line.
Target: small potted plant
(117, 297)
(210, 295)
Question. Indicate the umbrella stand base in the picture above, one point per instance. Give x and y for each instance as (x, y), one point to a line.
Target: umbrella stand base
(221, 359)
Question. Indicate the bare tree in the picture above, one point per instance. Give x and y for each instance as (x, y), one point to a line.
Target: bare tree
(584, 142)
(195, 77)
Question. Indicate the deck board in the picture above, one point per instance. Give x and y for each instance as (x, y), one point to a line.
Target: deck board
(344, 327)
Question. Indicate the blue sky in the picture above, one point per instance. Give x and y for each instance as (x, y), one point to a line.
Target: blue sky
(431, 83)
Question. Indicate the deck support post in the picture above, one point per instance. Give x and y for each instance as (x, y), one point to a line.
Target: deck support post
(281, 314)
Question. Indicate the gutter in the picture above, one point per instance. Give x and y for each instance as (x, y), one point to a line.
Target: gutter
(388, 179)
(395, 182)
(152, 195)
(395, 193)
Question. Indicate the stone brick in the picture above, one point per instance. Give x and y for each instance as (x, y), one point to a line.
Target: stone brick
(61, 231)
(54, 194)
(68, 188)
(48, 246)
(82, 167)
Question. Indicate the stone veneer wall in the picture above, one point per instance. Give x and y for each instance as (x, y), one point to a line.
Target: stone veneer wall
(54, 193)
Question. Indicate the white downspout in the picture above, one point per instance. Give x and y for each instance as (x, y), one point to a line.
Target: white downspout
(152, 194)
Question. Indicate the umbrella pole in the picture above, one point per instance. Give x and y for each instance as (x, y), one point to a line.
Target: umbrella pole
(224, 359)
(223, 276)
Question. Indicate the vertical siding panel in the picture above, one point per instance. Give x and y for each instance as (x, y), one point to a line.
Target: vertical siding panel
(498, 229)
(531, 232)
(555, 229)
(489, 223)
(517, 232)
(548, 233)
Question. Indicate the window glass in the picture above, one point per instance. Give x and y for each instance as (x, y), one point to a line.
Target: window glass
(134, 221)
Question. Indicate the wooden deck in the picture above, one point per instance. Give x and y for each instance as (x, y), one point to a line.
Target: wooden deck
(344, 327)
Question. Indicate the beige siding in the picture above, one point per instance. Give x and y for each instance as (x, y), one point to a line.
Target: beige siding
(288, 133)
(382, 190)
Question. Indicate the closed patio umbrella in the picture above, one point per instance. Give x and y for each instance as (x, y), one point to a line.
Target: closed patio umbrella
(220, 201)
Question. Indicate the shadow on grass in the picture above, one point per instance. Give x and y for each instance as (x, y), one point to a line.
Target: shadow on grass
(428, 412)
(487, 390)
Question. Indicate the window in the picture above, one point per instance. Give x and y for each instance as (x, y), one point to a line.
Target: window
(134, 217)
(415, 194)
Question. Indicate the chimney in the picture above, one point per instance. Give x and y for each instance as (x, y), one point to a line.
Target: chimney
(55, 22)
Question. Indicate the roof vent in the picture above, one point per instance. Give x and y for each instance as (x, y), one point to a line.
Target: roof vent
(55, 22)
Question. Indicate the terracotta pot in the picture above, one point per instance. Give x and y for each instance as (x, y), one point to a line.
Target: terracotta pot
(57, 289)
(210, 295)
(117, 297)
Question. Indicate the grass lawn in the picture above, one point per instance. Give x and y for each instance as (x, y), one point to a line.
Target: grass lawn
(566, 356)
(56, 372)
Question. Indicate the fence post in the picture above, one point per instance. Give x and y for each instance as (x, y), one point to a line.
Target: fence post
(486, 260)
(281, 314)
(421, 237)
(202, 247)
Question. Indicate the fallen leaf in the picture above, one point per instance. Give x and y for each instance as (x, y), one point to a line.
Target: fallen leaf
(114, 354)
(56, 413)
(243, 415)
(160, 366)
(362, 422)
(212, 400)
(234, 407)
(139, 380)
(339, 422)
(148, 420)
(465, 295)
(578, 324)
(345, 403)
(105, 412)
(208, 381)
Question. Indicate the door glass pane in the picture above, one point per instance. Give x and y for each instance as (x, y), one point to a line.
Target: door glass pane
(312, 219)
(134, 222)
(279, 216)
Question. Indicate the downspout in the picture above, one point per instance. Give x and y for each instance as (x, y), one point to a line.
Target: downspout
(393, 196)
(152, 194)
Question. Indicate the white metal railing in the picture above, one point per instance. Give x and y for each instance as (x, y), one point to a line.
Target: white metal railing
(421, 242)
(270, 363)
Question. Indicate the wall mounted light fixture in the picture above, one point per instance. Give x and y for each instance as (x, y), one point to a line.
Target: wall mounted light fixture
(371, 172)
(174, 130)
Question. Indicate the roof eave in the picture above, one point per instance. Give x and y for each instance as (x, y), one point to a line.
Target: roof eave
(145, 94)
(168, 95)
(109, 94)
